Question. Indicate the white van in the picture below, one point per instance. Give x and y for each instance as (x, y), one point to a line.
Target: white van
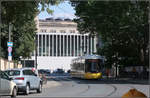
(7, 86)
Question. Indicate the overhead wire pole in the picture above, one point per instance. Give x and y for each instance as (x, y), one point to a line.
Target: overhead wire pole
(0, 33)
(149, 38)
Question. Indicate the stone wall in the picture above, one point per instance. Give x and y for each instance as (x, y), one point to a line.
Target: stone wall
(5, 64)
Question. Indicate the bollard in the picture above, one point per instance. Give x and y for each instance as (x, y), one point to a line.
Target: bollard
(133, 93)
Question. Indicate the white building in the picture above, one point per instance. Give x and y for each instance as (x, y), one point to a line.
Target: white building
(58, 42)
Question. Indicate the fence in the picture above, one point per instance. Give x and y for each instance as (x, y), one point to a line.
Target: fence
(5, 64)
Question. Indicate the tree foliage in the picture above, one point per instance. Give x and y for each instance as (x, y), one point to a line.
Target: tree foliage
(123, 27)
(21, 14)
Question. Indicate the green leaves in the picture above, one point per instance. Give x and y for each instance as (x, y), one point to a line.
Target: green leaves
(21, 14)
(49, 11)
(121, 25)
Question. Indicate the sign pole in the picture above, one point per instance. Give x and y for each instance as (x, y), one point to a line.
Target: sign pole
(9, 44)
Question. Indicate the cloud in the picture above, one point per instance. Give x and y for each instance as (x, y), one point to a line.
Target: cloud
(64, 15)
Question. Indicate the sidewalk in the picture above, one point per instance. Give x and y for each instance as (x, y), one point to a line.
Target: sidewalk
(137, 81)
(128, 80)
(51, 84)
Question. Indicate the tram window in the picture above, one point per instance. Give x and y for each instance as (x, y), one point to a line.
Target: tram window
(92, 66)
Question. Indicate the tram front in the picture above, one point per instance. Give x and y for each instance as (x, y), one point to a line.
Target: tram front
(93, 69)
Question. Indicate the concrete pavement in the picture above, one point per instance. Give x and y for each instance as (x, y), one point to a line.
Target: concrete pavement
(70, 87)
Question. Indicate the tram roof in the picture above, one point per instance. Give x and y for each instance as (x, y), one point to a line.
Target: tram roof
(94, 56)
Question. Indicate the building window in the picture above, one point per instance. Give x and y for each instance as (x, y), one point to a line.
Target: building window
(62, 31)
(43, 30)
(52, 31)
(72, 31)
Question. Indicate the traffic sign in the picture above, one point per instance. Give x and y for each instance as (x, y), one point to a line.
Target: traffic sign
(9, 49)
(9, 54)
(9, 58)
(9, 44)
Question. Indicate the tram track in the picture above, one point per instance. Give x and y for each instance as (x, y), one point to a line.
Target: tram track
(88, 85)
(76, 83)
(116, 88)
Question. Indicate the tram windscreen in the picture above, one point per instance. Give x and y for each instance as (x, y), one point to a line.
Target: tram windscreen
(92, 65)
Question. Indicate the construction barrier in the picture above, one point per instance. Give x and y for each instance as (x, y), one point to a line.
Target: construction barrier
(133, 93)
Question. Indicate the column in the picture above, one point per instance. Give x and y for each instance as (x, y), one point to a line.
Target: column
(81, 44)
(38, 44)
(60, 44)
(70, 45)
(74, 46)
(77, 45)
(67, 45)
(56, 45)
(52, 45)
(88, 44)
(63, 45)
(49, 45)
(45, 45)
(95, 39)
(91, 45)
(84, 45)
(41, 44)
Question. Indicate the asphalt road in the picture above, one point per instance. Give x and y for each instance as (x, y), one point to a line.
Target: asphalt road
(61, 86)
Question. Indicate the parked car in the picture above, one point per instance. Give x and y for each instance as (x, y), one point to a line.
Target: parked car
(7, 86)
(26, 79)
(46, 72)
(59, 71)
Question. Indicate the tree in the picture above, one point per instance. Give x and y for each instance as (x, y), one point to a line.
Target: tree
(123, 27)
(21, 15)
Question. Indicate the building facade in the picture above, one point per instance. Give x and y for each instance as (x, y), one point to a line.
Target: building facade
(58, 42)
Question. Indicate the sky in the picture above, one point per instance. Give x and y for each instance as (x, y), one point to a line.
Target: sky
(63, 10)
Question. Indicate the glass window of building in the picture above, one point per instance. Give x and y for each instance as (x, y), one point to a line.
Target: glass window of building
(40, 45)
(47, 45)
(83, 44)
(65, 46)
(43, 52)
(89, 45)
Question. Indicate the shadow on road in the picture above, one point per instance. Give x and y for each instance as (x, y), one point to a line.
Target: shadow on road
(104, 80)
(111, 81)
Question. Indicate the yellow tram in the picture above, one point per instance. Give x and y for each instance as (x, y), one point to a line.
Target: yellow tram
(87, 67)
